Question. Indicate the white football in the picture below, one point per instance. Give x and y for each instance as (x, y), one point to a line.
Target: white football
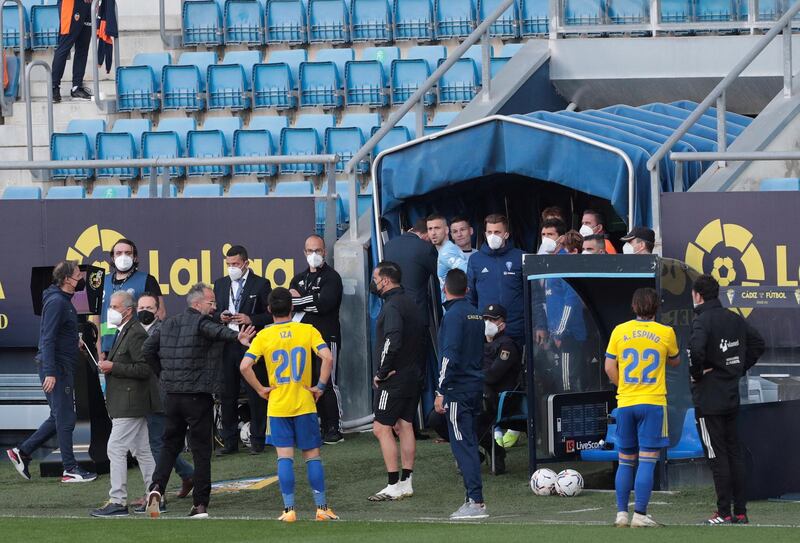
(543, 482)
(569, 483)
(244, 434)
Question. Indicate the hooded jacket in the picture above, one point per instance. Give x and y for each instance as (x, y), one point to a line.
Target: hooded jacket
(58, 333)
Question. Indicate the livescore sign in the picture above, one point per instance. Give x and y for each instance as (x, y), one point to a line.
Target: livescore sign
(180, 242)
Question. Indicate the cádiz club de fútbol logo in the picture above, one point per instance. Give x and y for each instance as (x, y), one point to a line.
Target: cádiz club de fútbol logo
(93, 245)
(727, 252)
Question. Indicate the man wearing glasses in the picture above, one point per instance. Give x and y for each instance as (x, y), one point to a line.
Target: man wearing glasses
(316, 297)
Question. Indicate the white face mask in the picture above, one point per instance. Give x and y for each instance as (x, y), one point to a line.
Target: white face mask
(628, 249)
(547, 247)
(586, 230)
(114, 317)
(494, 241)
(123, 263)
(314, 260)
(235, 273)
(490, 329)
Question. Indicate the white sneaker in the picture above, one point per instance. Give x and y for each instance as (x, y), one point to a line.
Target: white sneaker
(405, 487)
(643, 521)
(622, 519)
(470, 511)
(391, 492)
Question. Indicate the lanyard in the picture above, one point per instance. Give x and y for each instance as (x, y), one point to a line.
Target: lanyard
(238, 298)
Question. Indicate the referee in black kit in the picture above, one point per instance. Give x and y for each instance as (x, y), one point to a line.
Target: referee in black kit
(316, 297)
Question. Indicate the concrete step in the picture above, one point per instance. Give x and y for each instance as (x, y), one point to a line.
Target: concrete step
(62, 113)
(21, 177)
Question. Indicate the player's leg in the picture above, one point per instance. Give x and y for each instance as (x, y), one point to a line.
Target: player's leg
(737, 468)
(463, 412)
(172, 444)
(229, 396)
(627, 445)
(408, 446)
(653, 435)
(712, 434)
(385, 406)
(282, 437)
(316, 479)
(199, 415)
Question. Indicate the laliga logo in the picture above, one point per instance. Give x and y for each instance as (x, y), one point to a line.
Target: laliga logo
(728, 250)
(91, 239)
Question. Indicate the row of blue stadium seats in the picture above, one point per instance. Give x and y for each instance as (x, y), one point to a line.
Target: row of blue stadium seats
(297, 22)
(334, 78)
(41, 24)
(226, 136)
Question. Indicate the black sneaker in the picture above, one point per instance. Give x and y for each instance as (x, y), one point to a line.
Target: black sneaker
(81, 93)
(717, 519)
(78, 475)
(110, 510)
(142, 509)
(333, 437)
(227, 451)
(20, 461)
(198, 511)
(740, 519)
(56, 96)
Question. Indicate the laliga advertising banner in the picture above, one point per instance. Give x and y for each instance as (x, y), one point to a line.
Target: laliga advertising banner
(749, 242)
(180, 242)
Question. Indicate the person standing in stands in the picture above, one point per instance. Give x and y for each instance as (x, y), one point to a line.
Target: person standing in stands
(639, 241)
(56, 360)
(124, 275)
(316, 297)
(495, 275)
(75, 30)
(450, 256)
(243, 299)
(723, 346)
(593, 223)
(461, 232)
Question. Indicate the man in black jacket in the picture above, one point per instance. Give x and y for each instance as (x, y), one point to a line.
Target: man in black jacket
(398, 348)
(242, 297)
(316, 298)
(187, 352)
(723, 347)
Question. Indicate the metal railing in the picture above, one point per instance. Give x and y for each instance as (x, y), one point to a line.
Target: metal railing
(105, 106)
(717, 95)
(417, 99)
(7, 107)
(170, 39)
(37, 174)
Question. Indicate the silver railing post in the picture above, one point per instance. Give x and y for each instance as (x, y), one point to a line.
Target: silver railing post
(752, 14)
(29, 113)
(353, 205)
(419, 122)
(171, 40)
(486, 67)
(722, 126)
(787, 60)
(104, 106)
(22, 37)
(679, 185)
(330, 211)
(655, 202)
(153, 182)
(655, 16)
(165, 186)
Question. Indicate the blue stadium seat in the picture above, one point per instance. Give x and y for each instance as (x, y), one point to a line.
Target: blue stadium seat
(342, 198)
(605, 455)
(364, 202)
(689, 445)
(301, 141)
(321, 81)
(431, 129)
(440, 120)
(768, 10)
(65, 193)
(396, 136)
(366, 80)
(214, 140)
(496, 64)
(535, 17)
(622, 12)
(775, 184)
(11, 30)
(13, 64)
(275, 83)
(211, 190)
(408, 75)
(286, 22)
(184, 84)
(123, 142)
(254, 142)
(583, 12)
(384, 55)
(230, 83)
(475, 52)
(248, 190)
(202, 22)
(318, 121)
(459, 84)
(431, 54)
(511, 49)
(372, 21)
(111, 191)
(293, 188)
(714, 11)
(409, 121)
(328, 21)
(45, 26)
(454, 18)
(345, 142)
(244, 22)
(139, 85)
(507, 25)
(413, 20)
(676, 11)
(167, 141)
(15, 192)
(144, 190)
(364, 121)
(272, 124)
(77, 143)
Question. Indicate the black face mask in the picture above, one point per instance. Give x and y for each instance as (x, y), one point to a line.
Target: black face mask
(146, 317)
(373, 288)
(80, 285)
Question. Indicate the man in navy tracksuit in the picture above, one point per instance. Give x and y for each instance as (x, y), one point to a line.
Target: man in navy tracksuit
(460, 387)
(75, 30)
(495, 276)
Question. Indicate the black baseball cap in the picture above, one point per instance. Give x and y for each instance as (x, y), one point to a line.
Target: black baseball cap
(642, 233)
(495, 311)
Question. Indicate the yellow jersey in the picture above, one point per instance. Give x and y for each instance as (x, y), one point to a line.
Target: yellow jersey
(286, 349)
(641, 349)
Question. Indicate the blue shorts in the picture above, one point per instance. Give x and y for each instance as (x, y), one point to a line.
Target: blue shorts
(642, 425)
(301, 431)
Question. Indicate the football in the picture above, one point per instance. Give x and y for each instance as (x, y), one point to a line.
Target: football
(543, 482)
(244, 434)
(569, 483)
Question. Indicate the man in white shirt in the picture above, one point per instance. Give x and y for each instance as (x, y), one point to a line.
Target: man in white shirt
(461, 232)
(450, 256)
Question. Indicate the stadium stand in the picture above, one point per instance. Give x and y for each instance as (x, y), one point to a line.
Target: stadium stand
(414, 20)
(123, 142)
(230, 82)
(286, 22)
(183, 84)
(202, 22)
(244, 22)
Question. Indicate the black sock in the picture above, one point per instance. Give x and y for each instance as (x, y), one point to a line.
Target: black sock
(406, 474)
(287, 509)
(640, 513)
(394, 476)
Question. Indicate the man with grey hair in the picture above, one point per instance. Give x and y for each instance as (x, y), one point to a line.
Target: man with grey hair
(129, 401)
(186, 353)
